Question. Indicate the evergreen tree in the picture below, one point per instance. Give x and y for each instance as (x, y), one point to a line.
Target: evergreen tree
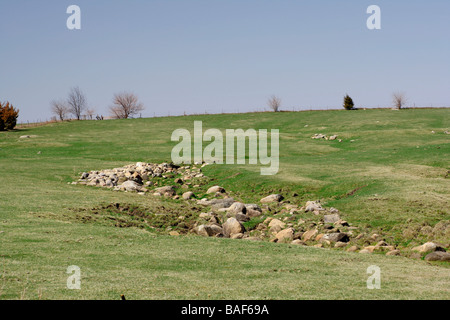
(348, 103)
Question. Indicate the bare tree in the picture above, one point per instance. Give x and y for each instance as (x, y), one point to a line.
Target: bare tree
(399, 99)
(274, 103)
(60, 109)
(90, 113)
(76, 102)
(125, 105)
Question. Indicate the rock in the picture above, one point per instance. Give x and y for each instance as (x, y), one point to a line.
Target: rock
(393, 253)
(232, 226)
(215, 229)
(331, 218)
(438, 256)
(298, 242)
(308, 235)
(334, 137)
(340, 244)
(253, 207)
(298, 235)
(426, 247)
(205, 215)
(336, 237)
(203, 230)
(312, 206)
(130, 186)
(381, 244)
(369, 249)
(352, 249)
(237, 207)
(342, 223)
(272, 198)
(241, 217)
(174, 233)
(208, 230)
(167, 191)
(237, 236)
(333, 210)
(318, 136)
(319, 237)
(215, 189)
(286, 235)
(188, 195)
(374, 237)
(221, 203)
(275, 223)
(253, 213)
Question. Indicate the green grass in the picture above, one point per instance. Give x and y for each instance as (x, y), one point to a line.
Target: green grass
(393, 176)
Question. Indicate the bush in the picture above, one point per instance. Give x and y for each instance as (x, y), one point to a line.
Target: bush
(348, 103)
(8, 116)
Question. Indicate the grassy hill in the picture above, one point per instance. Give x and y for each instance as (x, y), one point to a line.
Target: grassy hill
(390, 175)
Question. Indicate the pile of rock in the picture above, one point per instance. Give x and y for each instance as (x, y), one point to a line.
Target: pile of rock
(324, 136)
(227, 216)
(138, 177)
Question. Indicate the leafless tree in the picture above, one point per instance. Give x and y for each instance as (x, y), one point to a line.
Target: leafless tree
(399, 99)
(274, 103)
(76, 102)
(90, 113)
(125, 105)
(60, 109)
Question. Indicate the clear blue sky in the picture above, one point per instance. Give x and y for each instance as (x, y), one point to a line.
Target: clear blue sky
(224, 55)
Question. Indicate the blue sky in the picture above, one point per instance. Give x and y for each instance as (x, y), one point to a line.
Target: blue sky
(224, 55)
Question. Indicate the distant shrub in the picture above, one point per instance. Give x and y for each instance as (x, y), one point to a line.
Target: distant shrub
(8, 116)
(348, 103)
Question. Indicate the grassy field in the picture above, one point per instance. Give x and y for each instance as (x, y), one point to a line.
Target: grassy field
(390, 175)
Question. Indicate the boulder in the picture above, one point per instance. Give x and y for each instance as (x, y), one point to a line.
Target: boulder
(286, 235)
(221, 203)
(272, 198)
(188, 195)
(276, 225)
(253, 213)
(203, 230)
(298, 242)
(215, 189)
(167, 191)
(130, 186)
(369, 249)
(241, 217)
(237, 207)
(426, 247)
(438, 256)
(393, 253)
(336, 237)
(215, 229)
(232, 226)
(253, 207)
(340, 244)
(308, 235)
(313, 206)
(331, 218)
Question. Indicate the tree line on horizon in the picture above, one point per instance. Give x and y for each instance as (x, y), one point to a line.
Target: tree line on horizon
(398, 101)
(124, 105)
